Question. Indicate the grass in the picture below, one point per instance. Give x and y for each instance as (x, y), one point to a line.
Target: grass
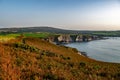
(39, 35)
(109, 33)
(7, 37)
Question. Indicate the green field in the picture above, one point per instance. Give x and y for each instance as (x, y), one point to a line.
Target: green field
(39, 35)
(6, 37)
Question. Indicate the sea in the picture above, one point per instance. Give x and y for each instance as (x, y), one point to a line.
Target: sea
(107, 50)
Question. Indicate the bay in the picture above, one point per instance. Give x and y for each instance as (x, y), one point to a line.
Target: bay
(107, 50)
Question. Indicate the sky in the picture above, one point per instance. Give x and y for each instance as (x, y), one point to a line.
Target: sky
(65, 14)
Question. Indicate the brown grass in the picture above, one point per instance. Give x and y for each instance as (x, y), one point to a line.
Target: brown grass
(50, 62)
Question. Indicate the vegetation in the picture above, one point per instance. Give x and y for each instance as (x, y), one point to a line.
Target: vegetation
(8, 36)
(107, 33)
(40, 35)
(57, 30)
(36, 59)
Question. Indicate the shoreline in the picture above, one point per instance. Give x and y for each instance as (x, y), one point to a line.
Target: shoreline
(101, 59)
(83, 54)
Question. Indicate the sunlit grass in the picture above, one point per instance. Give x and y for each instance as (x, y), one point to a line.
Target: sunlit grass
(7, 37)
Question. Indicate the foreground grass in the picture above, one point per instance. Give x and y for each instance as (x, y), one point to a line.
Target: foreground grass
(36, 59)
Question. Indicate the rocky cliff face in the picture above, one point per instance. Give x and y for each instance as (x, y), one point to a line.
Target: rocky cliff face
(66, 38)
(79, 38)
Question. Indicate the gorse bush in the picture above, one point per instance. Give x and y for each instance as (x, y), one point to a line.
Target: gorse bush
(50, 54)
(25, 47)
(65, 58)
(82, 64)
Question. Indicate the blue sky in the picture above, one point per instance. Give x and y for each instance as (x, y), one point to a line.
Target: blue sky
(66, 14)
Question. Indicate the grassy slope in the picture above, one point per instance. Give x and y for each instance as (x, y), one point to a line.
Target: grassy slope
(41, 60)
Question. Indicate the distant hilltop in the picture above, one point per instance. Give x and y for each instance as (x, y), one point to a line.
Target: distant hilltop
(59, 31)
(42, 29)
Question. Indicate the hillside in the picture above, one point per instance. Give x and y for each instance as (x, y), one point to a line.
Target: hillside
(36, 59)
(35, 29)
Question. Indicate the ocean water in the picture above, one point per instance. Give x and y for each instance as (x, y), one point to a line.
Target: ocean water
(107, 50)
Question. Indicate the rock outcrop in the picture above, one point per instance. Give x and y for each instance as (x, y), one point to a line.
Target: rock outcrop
(65, 38)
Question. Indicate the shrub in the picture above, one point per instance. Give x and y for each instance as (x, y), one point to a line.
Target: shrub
(25, 47)
(50, 76)
(68, 58)
(50, 54)
(103, 74)
(18, 61)
(96, 67)
(82, 64)
(65, 58)
(75, 50)
(71, 64)
(74, 72)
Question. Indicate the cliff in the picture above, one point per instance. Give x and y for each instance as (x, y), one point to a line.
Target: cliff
(67, 38)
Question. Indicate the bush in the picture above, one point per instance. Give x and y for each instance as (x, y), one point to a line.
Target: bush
(25, 47)
(50, 54)
(96, 67)
(71, 64)
(75, 50)
(82, 64)
(103, 74)
(74, 72)
(65, 58)
(68, 58)
(50, 76)
(18, 61)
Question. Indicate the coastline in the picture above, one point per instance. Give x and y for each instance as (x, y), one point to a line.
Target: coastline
(101, 50)
(83, 54)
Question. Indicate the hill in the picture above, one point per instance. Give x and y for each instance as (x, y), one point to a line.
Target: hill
(37, 59)
(59, 31)
(40, 29)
